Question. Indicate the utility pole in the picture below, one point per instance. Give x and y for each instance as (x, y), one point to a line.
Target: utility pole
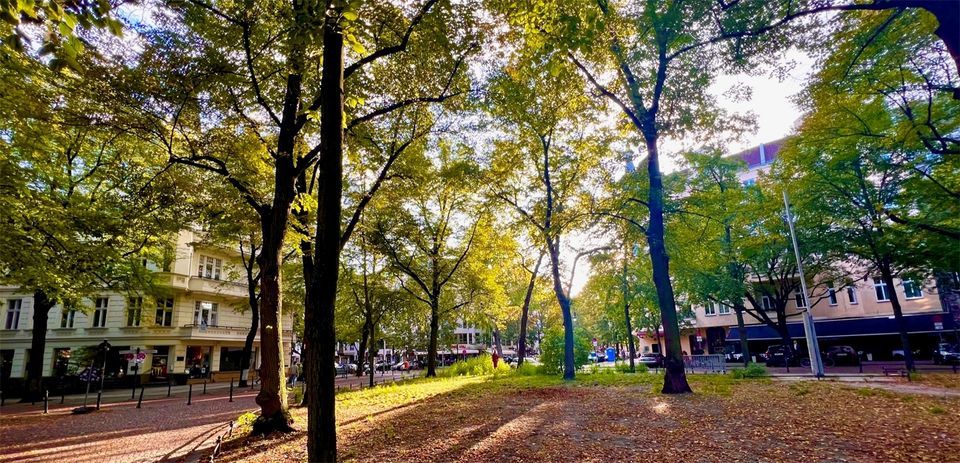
(813, 347)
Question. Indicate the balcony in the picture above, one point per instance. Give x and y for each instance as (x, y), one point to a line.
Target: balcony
(221, 287)
(221, 332)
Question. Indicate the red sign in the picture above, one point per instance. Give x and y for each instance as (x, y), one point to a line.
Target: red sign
(141, 355)
(129, 356)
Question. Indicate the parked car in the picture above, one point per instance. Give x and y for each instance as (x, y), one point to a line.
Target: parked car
(897, 354)
(946, 354)
(780, 356)
(651, 359)
(840, 355)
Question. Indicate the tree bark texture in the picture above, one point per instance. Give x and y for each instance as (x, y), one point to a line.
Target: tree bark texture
(38, 346)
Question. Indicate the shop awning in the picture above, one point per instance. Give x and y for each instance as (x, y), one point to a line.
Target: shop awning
(921, 323)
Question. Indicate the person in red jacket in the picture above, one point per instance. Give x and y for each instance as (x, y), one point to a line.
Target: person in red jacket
(496, 359)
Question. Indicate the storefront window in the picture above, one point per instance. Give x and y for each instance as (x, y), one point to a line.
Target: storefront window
(158, 369)
(198, 361)
(230, 358)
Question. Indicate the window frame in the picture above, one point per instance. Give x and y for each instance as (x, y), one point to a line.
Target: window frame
(724, 309)
(709, 310)
(164, 312)
(797, 297)
(68, 318)
(12, 316)
(766, 303)
(832, 298)
(880, 286)
(134, 312)
(211, 319)
(910, 283)
(99, 318)
(210, 267)
(852, 297)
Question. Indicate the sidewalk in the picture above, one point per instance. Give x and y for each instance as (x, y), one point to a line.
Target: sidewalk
(12, 406)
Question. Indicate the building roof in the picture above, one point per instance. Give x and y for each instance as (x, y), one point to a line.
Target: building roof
(761, 155)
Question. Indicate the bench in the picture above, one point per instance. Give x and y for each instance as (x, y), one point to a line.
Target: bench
(895, 371)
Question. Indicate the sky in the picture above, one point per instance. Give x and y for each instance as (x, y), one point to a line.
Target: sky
(776, 117)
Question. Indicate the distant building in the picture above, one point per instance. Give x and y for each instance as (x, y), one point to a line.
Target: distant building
(860, 315)
(197, 327)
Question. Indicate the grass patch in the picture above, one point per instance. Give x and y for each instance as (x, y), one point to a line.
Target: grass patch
(475, 366)
(937, 410)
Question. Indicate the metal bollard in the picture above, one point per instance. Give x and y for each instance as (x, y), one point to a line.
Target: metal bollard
(62, 394)
(861, 366)
(99, 395)
(169, 385)
(46, 401)
(231, 390)
(204, 387)
(139, 402)
(190, 395)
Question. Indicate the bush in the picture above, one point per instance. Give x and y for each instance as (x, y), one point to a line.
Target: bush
(527, 370)
(475, 366)
(752, 370)
(551, 355)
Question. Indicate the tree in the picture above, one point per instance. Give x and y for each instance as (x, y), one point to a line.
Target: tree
(525, 309)
(254, 70)
(429, 240)
(875, 148)
(86, 203)
(546, 117)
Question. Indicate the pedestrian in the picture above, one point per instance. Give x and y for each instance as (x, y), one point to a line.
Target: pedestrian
(496, 360)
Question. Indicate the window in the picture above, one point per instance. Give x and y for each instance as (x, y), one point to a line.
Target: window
(209, 267)
(13, 314)
(767, 303)
(67, 317)
(724, 309)
(801, 301)
(911, 289)
(205, 314)
(164, 312)
(708, 309)
(883, 293)
(134, 311)
(832, 296)
(100, 312)
(852, 294)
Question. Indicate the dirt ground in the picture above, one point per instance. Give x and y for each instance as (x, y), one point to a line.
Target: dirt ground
(603, 419)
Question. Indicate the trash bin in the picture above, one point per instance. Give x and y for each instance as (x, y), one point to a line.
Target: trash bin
(611, 354)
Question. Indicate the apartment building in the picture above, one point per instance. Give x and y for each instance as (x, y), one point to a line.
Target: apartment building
(859, 315)
(195, 327)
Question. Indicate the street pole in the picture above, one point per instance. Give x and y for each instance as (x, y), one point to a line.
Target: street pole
(813, 347)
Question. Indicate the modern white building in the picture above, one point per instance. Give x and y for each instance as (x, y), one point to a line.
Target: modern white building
(196, 326)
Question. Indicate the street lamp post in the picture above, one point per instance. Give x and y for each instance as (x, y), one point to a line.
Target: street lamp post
(813, 348)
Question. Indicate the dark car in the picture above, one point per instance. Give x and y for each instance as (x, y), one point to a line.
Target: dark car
(780, 356)
(946, 354)
(840, 355)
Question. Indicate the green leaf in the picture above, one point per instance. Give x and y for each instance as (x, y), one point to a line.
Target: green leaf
(350, 15)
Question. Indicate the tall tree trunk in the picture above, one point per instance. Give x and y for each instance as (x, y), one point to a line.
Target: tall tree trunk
(320, 328)
(569, 367)
(626, 315)
(525, 312)
(887, 275)
(675, 378)
(496, 342)
(738, 308)
(272, 398)
(251, 334)
(373, 353)
(434, 336)
(362, 348)
(38, 342)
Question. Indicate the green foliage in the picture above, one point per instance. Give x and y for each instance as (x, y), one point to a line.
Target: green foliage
(551, 355)
(475, 366)
(752, 370)
(528, 370)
